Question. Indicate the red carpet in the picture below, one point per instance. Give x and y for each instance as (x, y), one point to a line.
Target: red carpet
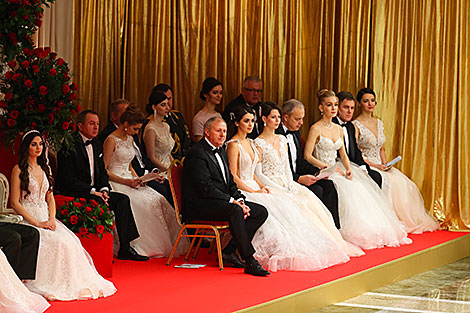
(153, 287)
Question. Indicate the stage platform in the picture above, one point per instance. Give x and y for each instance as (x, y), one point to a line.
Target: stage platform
(153, 287)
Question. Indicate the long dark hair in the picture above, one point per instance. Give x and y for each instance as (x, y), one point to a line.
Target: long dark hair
(23, 155)
(236, 116)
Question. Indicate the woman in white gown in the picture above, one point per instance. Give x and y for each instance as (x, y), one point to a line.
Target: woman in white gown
(14, 296)
(154, 216)
(292, 238)
(64, 271)
(366, 216)
(404, 194)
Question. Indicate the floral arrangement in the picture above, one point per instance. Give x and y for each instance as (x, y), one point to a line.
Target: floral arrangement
(86, 217)
(38, 94)
(19, 20)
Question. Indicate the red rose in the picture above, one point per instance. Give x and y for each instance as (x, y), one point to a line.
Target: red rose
(52, 55)
(99, 229)
(74, 219)
(94, 217)
(30, 106)
(16, 76)
(38, 22)
(88, 209)
(12, 64)
(14, 114)
(60, 104)
(55, 110)
(9, 74)
(25, 64)
(33, 125)
(35, 69)
(28, 83)
(3, 104)
(43, 90)
(83, 231)
(65, 125)
(8, 95)
(101, 211)
(41, 108)
(65, 89)
(60, 61)
(66, 77)
(26, 51)
(25, 17)
(47, 50)
(73, 126)
(73, 96)
(12, 14)
(12, 37)
(78, 108)
(93, 203)
(82, 200)
(53, 72)
(73, 86)
(11, 122)
(64, 212)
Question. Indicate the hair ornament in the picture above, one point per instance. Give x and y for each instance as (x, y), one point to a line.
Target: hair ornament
(232, 116)
(29, 132)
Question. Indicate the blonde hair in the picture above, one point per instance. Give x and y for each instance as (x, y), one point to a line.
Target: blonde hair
(325, 93)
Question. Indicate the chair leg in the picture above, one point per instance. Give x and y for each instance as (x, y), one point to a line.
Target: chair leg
(175, 246)
(197, 248)
(186, 257)
(219, 249)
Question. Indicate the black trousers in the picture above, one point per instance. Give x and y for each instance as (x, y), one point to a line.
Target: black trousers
(242, 230)
(325, 190)
(375, 176)
(20, 243)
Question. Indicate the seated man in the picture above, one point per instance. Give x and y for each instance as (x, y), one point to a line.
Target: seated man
(251, 95)
(344, 117)
(293, 112)
(209, 193)
(82, 174)
(20, 243)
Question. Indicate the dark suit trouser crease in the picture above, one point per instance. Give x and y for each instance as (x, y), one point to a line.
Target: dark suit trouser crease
(20, 244)
(375, 176)
(242, 230)
(325, 190)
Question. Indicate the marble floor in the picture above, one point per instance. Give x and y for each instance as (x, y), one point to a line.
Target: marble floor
(443, 290)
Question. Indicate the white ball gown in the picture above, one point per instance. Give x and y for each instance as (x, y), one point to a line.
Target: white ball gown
(366, 216)
(299, 233)
(64, 270)
(14, 296)
(404, 194)
(154, 216)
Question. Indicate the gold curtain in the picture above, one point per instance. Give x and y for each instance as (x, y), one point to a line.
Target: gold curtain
(415, 54)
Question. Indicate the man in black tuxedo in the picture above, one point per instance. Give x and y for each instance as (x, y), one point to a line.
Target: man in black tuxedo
(293, 112)
(251, 95)
(345, 114)
(82, 174)
(209, 193)
(20, 243)
(140, 163)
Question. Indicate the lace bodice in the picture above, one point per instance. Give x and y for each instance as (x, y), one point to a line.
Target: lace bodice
(368, 143)
(164, 143)
(35, 203)
(122, 156)
(246, 166)
(326, 149)
(275, 164)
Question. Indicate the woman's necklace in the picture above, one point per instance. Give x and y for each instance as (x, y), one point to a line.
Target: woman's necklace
(327, 124)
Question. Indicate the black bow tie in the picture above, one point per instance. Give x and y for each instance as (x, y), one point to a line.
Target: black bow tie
(89, 142)
(291, 132)
(217, 150)
(343, 124)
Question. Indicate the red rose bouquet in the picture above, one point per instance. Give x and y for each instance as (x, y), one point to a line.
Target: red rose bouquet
(86, 217)
(19, 20)
(38, 94)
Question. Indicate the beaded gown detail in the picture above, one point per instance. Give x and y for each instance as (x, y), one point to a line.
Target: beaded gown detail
(64, 270)
(403, 192)
(367, 218)
(164, 144)
(154, 216)
(14, 296)
(298, 207)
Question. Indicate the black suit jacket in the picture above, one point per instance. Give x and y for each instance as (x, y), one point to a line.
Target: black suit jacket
(180, 133)
(303, 167)
(73, 173)
(353, 151)
(238, 101)
(203, 179)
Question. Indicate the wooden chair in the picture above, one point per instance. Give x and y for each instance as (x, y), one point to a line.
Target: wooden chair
(203, 228)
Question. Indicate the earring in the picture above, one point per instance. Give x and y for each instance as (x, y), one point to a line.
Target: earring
(125, 129)
(264, 123)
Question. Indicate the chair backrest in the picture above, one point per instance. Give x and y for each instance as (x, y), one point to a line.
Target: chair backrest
(175, 178)
(4, 192)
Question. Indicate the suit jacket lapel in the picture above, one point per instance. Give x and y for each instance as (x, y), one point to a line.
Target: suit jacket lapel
(212, 157)
(351, 138)
(81, 147)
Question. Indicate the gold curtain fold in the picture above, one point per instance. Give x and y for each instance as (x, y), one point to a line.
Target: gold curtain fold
(415, 54)
(97, 53)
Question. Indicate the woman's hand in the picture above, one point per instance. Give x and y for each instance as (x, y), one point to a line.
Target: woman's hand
(133, 182)
(263, 189)
(46, 225)
(381, 167)
(52, 224)
(349, 175)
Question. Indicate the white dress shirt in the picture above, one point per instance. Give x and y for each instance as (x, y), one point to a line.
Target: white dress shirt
(292, 148)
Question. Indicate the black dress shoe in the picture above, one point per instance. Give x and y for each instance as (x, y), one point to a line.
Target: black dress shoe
(232, 260)
(255, 269)
(131, 254)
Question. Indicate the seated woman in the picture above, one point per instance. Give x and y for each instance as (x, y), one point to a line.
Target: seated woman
(405, 196)
(14, 296)
(64, 271)
(156, 136)
(154, 216)
(211, 93)
(366, 216)
(292, 238)
(178, 128)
